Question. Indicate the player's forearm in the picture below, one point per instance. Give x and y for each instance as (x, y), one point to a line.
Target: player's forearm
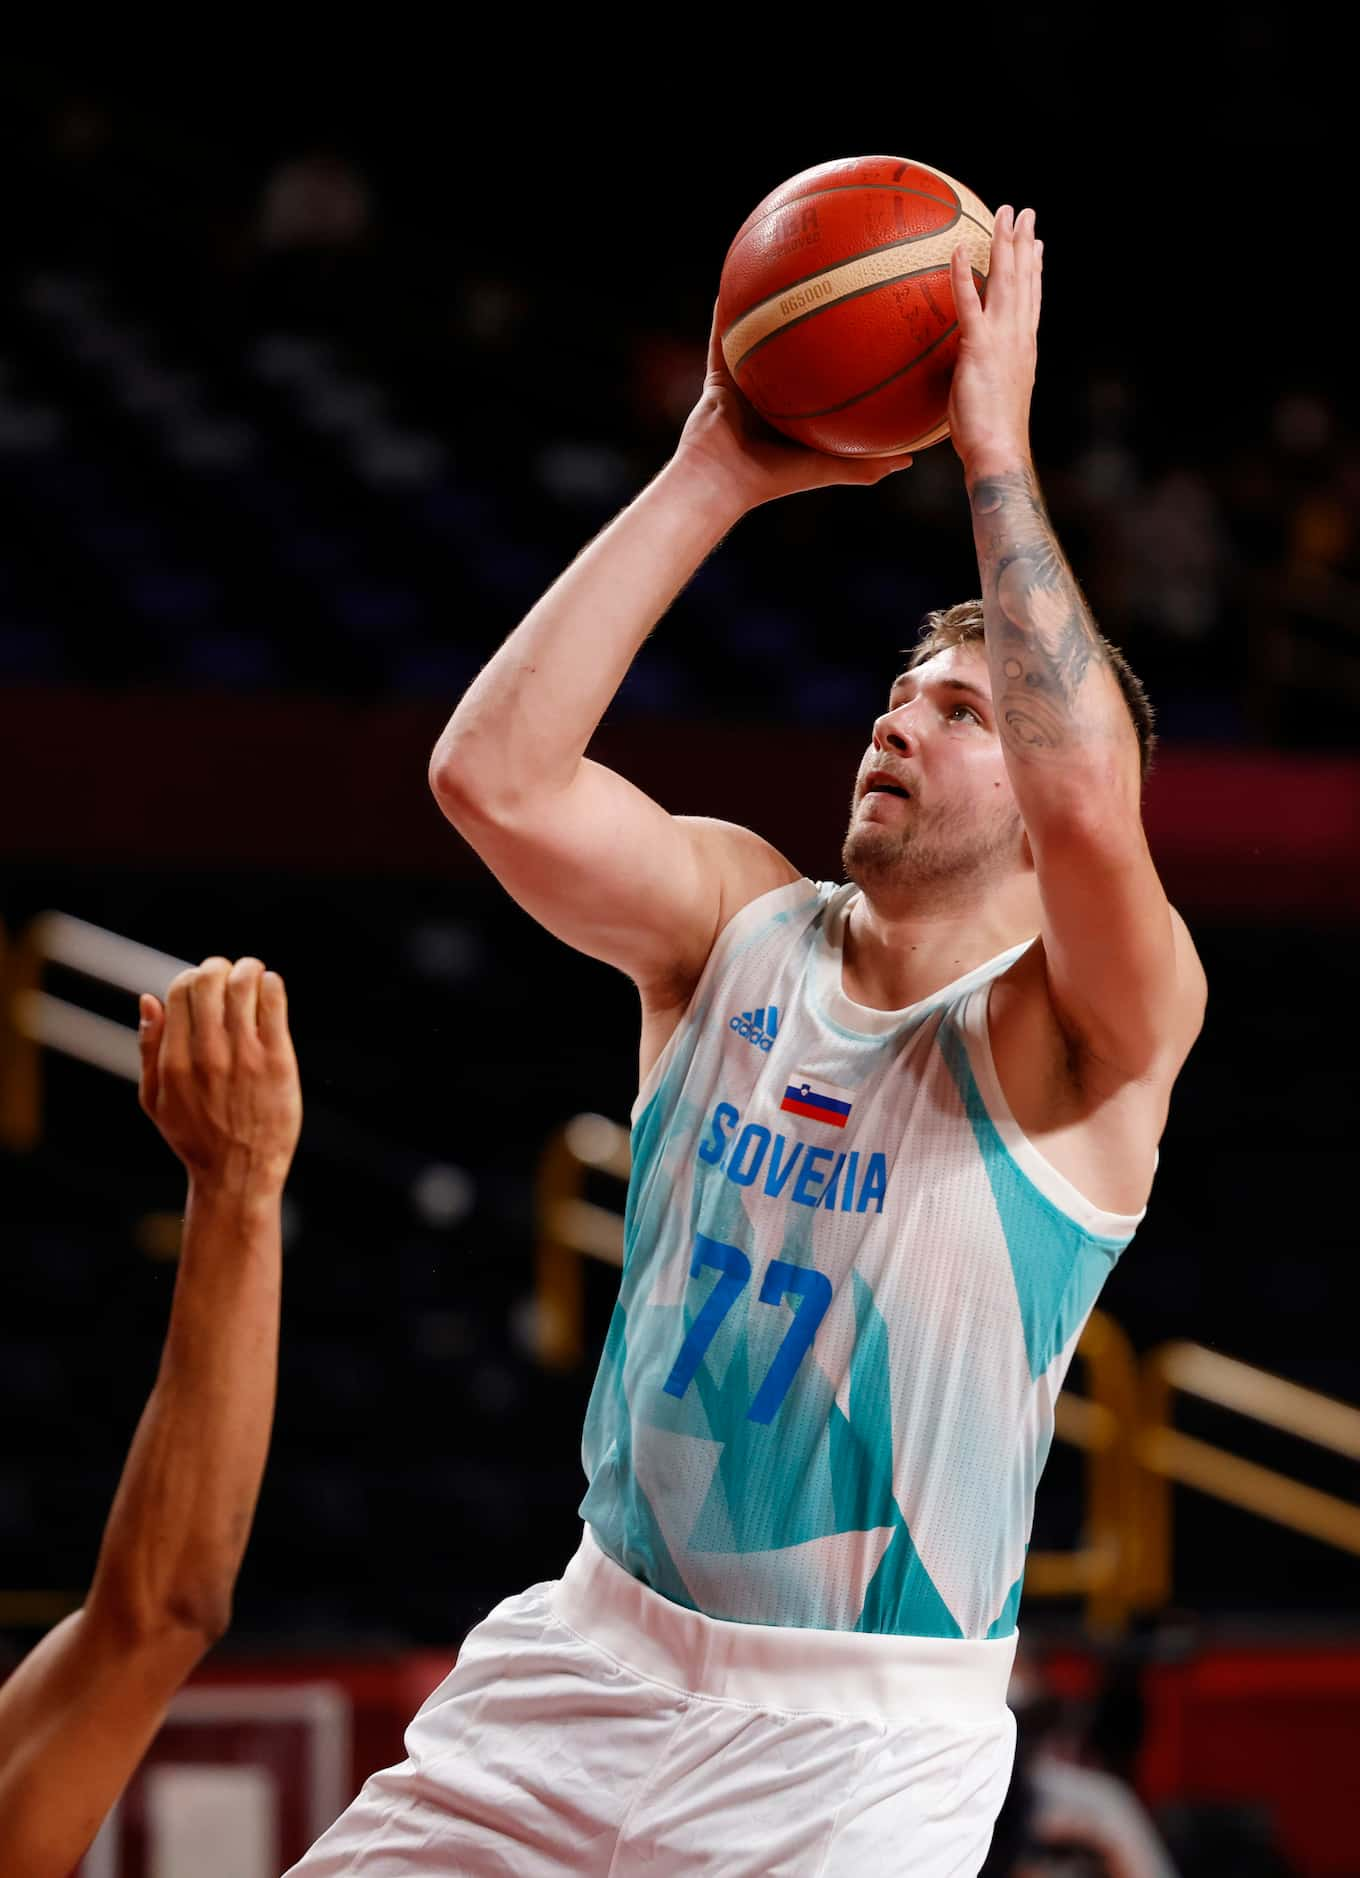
(1063, 724)
(178, 1528)
(524, 724)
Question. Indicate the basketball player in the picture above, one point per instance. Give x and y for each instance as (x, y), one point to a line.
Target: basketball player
(891, 1137)
(220, 1081)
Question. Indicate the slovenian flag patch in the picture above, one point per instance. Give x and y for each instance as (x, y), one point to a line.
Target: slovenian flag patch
(820, 1101)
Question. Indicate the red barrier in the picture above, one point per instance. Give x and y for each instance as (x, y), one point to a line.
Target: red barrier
(254, 1761)
(320, 785)
(1277, 1727)
(383, 1693)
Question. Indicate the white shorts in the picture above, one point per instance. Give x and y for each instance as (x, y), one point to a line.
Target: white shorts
(591, 1726)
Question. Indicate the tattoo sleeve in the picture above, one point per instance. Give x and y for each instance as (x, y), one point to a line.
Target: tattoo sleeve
(1041, 639)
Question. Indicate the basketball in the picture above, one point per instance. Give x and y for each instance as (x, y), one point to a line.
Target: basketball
(835, 308)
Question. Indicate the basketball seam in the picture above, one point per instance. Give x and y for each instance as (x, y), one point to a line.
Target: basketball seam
(868, 392)
(832, 189)
(893, 280)
(884, 247)
(919, 442)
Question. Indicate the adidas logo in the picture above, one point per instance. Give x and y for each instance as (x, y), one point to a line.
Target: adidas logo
(758, 1027)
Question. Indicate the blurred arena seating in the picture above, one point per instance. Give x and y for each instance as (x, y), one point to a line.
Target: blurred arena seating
(261, 428)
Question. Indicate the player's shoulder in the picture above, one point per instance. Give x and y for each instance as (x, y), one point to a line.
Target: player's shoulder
(747, 866)
(742, 868)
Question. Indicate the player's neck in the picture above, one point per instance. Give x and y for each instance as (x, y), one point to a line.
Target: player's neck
(894, 956)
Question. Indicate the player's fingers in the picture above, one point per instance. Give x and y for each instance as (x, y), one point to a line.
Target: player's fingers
(1025, 263)
(876, 468)
(1001, 272)
(966, 302)
(150, 1030)
(716, 361)
(207, 1006)
(1022, 247)
(273, 1012)
(242, 995)
(834, 471)
(177, 1039)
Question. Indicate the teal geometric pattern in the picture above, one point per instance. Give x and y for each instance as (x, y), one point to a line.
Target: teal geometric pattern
(1010, 1610)
(1058, 1266)
(739, 1497)
(636, 1540)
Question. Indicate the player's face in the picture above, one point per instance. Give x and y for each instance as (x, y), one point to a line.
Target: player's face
(933, 798)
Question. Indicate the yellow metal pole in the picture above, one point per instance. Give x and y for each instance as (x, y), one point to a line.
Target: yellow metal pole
(20, 1055)
(37, 1610)
(1153, 1575)
(1112, 1387)
(559, 1284)
(1257, 1489)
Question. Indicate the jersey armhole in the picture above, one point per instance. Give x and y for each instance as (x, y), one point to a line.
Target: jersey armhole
(745, 926)
(975, 1024)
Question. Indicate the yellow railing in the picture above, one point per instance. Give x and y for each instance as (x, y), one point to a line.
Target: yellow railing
(569, 1227)
(32, 1020)
(1103, 1567)
(1123, 1423)
(1165, 1456)
(37, 1610)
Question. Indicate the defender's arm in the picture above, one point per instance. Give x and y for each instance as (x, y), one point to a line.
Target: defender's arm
(220, 1081)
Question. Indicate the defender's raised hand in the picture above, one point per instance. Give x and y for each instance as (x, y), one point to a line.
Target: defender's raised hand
(219, 1077)
(998, 347)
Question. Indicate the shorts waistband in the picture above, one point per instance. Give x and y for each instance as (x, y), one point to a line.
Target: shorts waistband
(779, 1667)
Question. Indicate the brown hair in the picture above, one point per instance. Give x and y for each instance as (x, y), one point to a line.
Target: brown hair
(963, 625)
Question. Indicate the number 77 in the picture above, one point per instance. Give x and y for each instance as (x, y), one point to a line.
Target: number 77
(781, 1279)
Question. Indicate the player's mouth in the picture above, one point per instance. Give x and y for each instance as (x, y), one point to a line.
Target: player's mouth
(882, 783)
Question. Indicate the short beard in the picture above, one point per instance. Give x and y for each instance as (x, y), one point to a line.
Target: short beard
(880, 859)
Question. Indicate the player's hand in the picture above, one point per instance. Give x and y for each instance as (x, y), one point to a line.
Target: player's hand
(219, 1077)
(746, 460)
(998, 346)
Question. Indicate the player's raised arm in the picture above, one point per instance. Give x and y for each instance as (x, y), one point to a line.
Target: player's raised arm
(1122, 972)
(589, 855)
(220, 1081)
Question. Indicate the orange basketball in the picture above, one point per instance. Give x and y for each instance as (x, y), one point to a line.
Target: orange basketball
(835, 307)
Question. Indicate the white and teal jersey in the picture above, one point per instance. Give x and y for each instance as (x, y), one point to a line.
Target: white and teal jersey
(851, 1291)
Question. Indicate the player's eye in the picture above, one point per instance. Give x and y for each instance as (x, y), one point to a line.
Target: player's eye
(967, 711)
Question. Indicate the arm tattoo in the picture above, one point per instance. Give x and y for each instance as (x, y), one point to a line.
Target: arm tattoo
(1040, 634)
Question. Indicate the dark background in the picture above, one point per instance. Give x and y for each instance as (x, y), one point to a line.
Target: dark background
(317, 363)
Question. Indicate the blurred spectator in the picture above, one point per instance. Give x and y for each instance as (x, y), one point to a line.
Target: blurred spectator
(1080, 1810)
(1174, 555)
(1063, 1816)
(667, 375)
(316, 202)
(314, 230)
(1167, 603)
(1072, 1810)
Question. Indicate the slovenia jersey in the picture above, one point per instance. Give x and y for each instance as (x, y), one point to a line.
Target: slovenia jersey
(851, 1290)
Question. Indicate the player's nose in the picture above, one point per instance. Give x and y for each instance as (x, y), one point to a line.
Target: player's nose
(892, 731)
